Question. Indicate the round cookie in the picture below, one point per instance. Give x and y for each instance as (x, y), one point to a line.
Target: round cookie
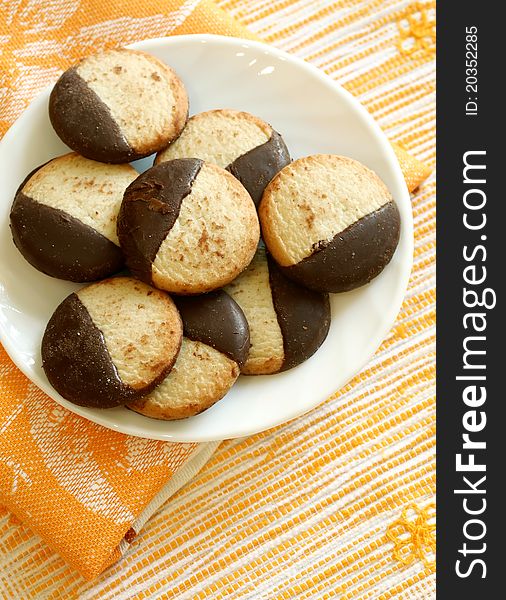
(111, 342)
(329, 222)
(287, 323)
(237, 141)
(215, 346)
(63, 218)
(187, 226)
(118, 105)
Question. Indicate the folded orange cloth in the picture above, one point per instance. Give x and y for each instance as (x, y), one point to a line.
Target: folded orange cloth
(85, 489)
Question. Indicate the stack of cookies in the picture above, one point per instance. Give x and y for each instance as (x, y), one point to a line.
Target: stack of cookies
(216, 261)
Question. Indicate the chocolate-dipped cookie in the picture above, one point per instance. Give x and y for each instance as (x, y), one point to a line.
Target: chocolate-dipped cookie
(215, 347)
(111, 342)
(329, 222)
(187, 226)
(237, 141)
(118, 105)
(63, 218)
(287, 323)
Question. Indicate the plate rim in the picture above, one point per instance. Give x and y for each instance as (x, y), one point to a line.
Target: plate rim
(390, 157)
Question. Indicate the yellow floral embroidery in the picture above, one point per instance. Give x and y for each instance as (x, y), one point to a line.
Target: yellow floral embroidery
(414, 535)
(417, 30)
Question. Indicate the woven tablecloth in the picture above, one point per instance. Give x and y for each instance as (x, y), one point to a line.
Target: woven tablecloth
(338, 503)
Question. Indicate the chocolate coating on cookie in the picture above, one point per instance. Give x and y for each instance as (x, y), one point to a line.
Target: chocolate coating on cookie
(187, 226)
(70, 335)
(218, 321)
(303, 316)
(111, 342)
(118, 105)
(85, 123)
(64, 214)
(329, 222)
(257, 167)
(59, 245)
(149, 210)
(245, 145)
(200, 377)
(354, 256)
(288, 323)
(215, 346)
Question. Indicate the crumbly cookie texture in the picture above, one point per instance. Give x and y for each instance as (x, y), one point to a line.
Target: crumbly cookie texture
(145, 97)
(329, 222)
(63, 217)
(214, 238)
(203, 227)
(252, 291)
(85, 189)
(118, 105)
(287, 322)
(312, 200)
(215, 346)
(218, 136)
(141, 327)
(237, 141)
(111, 342)
(200, 377)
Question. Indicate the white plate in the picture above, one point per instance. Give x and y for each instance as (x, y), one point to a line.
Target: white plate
(314, 115)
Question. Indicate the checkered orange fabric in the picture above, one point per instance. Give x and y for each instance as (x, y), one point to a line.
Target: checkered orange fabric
(302, 510)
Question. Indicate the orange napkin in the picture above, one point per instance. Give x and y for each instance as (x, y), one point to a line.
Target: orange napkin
(84, 489)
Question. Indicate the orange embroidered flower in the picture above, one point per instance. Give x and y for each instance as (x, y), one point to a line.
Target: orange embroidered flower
(414, 535)
(417, 30)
